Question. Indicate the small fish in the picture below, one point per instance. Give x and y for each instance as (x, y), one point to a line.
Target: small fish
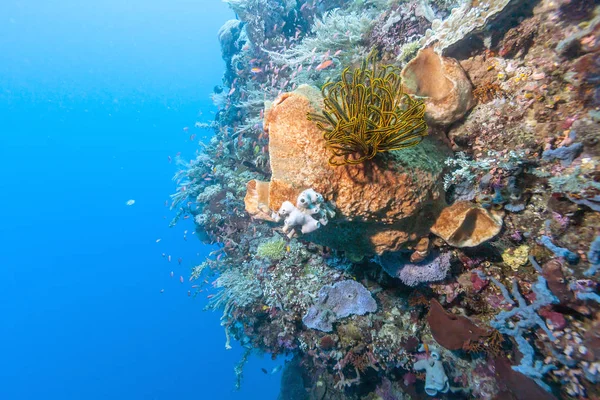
(172, 274)
(189, 293)
(158, 240)
(169, 258)
(256, 70)
(162, 290)
(325, 64)
(130, 202)
(276, 369)
(166, 203)
(300, 68)
(169, 158)
(179, 260)
(262, 369)
(185, 129)
(231, 91)
(337, 53)
(181, 279)
(210, 296)
(192, 137)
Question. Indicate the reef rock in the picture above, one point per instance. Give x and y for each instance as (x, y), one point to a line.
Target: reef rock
(467, 224)
(380, 205)
(442, 82)
(471, 18)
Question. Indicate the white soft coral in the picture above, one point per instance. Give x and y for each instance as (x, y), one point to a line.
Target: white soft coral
(310, 213)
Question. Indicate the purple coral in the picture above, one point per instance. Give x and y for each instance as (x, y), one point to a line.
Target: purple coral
(565, 154)
(434, 268)
(339, 301)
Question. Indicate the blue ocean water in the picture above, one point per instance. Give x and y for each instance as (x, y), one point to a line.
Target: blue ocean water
(94, 98)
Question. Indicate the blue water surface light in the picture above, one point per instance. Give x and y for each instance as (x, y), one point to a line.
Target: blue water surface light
(96, 100)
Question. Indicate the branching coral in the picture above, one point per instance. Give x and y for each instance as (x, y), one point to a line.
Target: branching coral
(327, 35)
(238, 289)
(528, 319)
(367, 112)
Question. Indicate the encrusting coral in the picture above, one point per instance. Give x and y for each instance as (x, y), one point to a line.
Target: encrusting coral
(367, 112)
(338, 301)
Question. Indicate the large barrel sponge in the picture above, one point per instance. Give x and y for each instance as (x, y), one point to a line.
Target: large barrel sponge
(381, 205)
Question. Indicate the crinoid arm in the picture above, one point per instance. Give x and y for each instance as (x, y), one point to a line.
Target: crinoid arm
(366, 112)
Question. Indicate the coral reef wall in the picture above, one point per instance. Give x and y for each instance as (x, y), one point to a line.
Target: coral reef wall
(463, 266)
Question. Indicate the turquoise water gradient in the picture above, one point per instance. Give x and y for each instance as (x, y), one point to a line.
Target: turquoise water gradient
(94, 96)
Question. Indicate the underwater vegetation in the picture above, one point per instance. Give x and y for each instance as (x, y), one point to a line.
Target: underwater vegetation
(366, 113)
(464, 267)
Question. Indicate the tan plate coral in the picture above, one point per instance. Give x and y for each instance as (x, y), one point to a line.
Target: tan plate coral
(466, 224)
(442, 83)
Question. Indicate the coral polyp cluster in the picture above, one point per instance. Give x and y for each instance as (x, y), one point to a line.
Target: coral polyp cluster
(367, 112)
